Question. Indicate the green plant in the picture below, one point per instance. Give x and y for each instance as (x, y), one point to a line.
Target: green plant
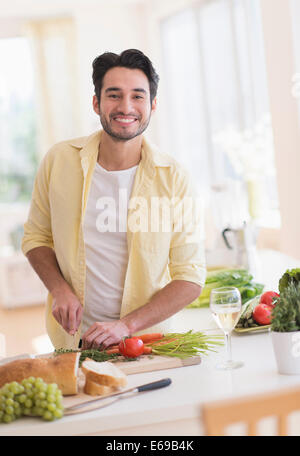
(286, 313)
(290, 276)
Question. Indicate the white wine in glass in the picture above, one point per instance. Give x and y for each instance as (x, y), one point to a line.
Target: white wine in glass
(226, 304)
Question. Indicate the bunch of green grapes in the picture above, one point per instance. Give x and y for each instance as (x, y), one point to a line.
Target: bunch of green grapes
(31, 397)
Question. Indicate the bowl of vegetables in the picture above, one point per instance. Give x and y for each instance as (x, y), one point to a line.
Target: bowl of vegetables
(256, 314)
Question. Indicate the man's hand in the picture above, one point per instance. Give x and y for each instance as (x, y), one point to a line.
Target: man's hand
(104, 334)
(67, 309)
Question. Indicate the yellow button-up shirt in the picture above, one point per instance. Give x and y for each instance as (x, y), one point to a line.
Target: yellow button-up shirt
(155, 258)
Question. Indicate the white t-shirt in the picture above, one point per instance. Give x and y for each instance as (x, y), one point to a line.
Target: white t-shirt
(105, 238)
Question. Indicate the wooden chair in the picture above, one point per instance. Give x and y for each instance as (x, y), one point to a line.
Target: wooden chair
(218, 415)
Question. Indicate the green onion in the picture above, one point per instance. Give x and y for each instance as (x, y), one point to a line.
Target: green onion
(184, 345)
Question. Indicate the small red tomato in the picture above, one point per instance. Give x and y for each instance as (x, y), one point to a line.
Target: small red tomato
(262, 314)
(131, 347)
(267, 298)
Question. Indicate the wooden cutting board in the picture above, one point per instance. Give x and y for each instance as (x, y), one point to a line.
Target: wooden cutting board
(154, 363)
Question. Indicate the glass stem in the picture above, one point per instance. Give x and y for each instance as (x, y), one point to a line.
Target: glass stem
(228, 346)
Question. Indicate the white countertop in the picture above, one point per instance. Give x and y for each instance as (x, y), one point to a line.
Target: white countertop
(158, 412)
(176, 409)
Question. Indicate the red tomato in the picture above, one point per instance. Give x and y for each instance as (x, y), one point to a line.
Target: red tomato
(262, 314)
(267, 298)
(131, 347)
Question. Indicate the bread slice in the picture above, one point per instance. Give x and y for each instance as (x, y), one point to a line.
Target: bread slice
(61, 369)
(105, 373)
(94, 389)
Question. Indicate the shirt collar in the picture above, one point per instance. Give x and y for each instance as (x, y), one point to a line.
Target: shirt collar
(151, 156)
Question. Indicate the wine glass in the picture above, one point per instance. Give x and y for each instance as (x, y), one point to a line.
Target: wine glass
(226, 304)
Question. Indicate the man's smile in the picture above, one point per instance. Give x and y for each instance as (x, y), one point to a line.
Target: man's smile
(125, 120)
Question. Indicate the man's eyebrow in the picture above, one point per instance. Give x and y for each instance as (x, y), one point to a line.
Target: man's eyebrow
(117, 89)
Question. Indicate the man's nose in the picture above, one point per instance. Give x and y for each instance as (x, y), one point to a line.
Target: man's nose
(125, 105)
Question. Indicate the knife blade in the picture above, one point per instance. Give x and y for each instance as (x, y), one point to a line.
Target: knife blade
(136, 389)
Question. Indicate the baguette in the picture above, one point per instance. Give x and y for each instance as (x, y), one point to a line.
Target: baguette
(105, 373)
(61, 369)
(94, 389)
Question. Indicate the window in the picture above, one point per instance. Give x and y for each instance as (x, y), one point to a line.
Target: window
(218, 113)
(18, 147)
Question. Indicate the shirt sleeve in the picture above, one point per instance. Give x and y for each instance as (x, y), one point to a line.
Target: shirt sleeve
(187, 249)
(37, 229)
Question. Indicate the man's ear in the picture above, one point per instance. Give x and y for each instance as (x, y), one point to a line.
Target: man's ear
(154, 105)
(96, 105)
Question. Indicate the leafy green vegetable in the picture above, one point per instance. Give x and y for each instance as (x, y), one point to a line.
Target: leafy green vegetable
(229, 277)
(290, 276)
(91, 353)
(286, 313)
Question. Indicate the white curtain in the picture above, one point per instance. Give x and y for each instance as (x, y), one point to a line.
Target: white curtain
(54, 54)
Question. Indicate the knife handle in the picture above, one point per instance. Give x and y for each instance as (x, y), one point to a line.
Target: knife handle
(154, 385)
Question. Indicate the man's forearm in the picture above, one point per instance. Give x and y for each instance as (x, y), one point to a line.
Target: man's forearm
(44, 262)
(165, 303)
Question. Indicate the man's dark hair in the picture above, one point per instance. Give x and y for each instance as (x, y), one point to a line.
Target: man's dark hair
(131, 58)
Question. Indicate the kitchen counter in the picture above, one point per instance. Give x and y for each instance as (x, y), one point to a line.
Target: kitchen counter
(176, 409)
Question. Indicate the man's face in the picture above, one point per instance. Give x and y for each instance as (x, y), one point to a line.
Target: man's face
(125, 108)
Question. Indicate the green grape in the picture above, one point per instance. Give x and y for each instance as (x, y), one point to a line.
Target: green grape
(28, 403)
(50, 398)
(9, 401)
(41, 387)
(9, 410)
(8, 418)
(47, 415)
(22, 398)
(26, 411)
(58, 413)
(52, 388)
(28, 385)
(31, 397)
(39, 411)
(41, 395)
(18, 412)
(29, 393)
(14, 387)
(44, 404)
(51, 407)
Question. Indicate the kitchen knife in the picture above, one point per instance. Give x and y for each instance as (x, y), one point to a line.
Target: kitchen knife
(136, 389)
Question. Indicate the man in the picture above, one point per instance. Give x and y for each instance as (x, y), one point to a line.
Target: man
(111, 280)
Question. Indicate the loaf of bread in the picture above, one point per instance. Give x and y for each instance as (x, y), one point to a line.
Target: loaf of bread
(60, 369)
(105, 373)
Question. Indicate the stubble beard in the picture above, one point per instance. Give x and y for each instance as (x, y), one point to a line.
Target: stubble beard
(122, 136)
